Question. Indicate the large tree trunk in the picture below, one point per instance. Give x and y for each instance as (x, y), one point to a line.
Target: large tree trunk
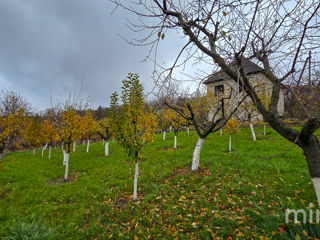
(312, 154)
(88, 145)
(164, 135)
(196, 154)
(253, 133)
(135, 181)
(67, 166)
(106, 148)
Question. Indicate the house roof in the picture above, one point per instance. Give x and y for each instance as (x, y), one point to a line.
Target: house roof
(248, 67)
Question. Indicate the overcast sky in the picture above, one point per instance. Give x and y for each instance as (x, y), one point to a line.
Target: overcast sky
(46, 47)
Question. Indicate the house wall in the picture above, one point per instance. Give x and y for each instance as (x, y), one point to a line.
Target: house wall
(263, 87)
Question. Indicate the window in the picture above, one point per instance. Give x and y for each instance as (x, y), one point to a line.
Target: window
(218, 90)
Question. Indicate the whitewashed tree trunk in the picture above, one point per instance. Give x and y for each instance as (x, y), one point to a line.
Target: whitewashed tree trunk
(88, 145)
(220, 131)
(67, 166)
(164, 135)
(74, 146)
(264, 129)
(135, 181)
(62, 145)
(102, 141)
(106, 149)
(196, 154)
(316, 184)
(64, 157)
(170, 128)
(253, 133)
(34, 152)
(175, 141)
(50, 152)
(188, 130)
(83, 142)
(43, 149)
(230, 149)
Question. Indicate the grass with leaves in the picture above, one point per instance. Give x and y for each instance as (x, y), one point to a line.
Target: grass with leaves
(237, 195)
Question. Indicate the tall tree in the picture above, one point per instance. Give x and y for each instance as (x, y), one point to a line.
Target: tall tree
(133, 126)
(277, 36)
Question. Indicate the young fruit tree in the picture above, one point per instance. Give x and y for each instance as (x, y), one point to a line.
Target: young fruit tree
(49, 133)
(278, 37)
(89, 127)
(133, 127)
(176, 121)
(33, 133)
(208, 113)
(162, 122)
(232, 127)
(105, 132)
(69, 130)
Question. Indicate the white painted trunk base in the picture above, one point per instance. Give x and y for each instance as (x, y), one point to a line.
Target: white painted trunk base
(62, 145)
(64, 157)
(102, 141)
(220, 131)
(50, 152)
(74, 146)
(253, 133)
(316, 184)
(106, 149)
(196, 154)
(230, 148)
(170, 129)
(67, 167)
(164, 135)
(88, 145)
(34, 152)
(43, 149)
(264, 129)
(83, 142)
(175, 141)
(188, 130)
(135, 181)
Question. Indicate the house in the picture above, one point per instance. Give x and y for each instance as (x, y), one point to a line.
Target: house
(220, 84)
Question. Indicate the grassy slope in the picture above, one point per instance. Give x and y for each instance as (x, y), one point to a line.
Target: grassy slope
(216, 201)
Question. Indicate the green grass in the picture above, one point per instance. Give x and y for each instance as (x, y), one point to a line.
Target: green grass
(240, 194)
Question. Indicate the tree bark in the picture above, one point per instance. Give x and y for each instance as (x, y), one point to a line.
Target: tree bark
(312, 154)
(196, 154)
(50, 152)
(88, 145)
(67, 166)
(135, 181)
(253, 133)
(106, 148)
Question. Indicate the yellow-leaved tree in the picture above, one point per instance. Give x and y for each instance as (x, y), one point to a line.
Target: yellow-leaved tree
(104, 130)
(11, 125)
(49, 133)
(32, 133)
(132, 125)
(69, 130)
(175, 120)
(90, 127)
